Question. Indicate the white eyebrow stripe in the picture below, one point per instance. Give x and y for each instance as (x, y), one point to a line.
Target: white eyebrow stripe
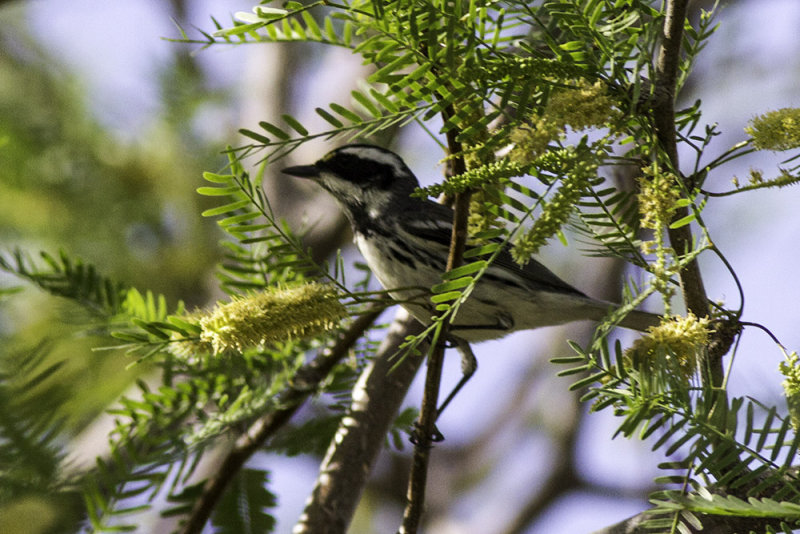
(377, 155)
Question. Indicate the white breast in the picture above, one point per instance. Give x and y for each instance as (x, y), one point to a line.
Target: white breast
(393, 273)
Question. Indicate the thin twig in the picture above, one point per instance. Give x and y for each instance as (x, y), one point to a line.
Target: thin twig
(423, 439)
(305, 382)
(426, 424)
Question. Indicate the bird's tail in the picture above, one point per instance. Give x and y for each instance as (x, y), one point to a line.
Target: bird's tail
(635, 320)
(640, 320)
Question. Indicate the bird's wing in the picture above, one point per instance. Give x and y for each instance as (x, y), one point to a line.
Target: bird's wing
(533, 276)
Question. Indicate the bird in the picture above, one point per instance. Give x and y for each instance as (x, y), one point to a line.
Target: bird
(405, 241)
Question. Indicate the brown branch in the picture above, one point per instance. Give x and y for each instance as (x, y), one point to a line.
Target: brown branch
(376, 399)
(423, 442)
(426, 424)
(667, 65)
(664, 117)
(681, 239)
(306, 381)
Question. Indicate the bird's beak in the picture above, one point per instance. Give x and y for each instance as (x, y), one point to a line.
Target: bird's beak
(302, 171)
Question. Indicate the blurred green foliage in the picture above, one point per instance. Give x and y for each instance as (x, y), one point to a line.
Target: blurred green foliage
(128, 206)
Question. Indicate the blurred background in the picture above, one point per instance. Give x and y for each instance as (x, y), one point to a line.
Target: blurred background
(106, 127)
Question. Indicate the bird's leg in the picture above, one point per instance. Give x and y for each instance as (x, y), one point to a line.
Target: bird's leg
(469, 364)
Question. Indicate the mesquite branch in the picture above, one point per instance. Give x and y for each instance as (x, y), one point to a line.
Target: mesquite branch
(362, 432)
(426, 424)
(305, 383)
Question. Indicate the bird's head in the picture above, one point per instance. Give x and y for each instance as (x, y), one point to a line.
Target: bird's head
(362, 178)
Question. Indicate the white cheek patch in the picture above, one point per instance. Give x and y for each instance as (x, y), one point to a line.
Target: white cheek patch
(340, 188)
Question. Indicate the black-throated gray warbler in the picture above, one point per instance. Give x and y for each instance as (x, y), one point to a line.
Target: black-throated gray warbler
(405, 241)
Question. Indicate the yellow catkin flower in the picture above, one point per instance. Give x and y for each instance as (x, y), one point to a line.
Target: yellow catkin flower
(485, 179)
(556, 211)
(658, 197)
(531, 140)
(484, 176)
(578, 105)
(790, 368)
(681, 338)
(480, 218)
(491, 174)
(776, 130)
(272, 316)
(581, 106)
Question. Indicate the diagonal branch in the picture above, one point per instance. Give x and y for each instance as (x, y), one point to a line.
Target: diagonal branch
(306, 381)
(361, 434)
